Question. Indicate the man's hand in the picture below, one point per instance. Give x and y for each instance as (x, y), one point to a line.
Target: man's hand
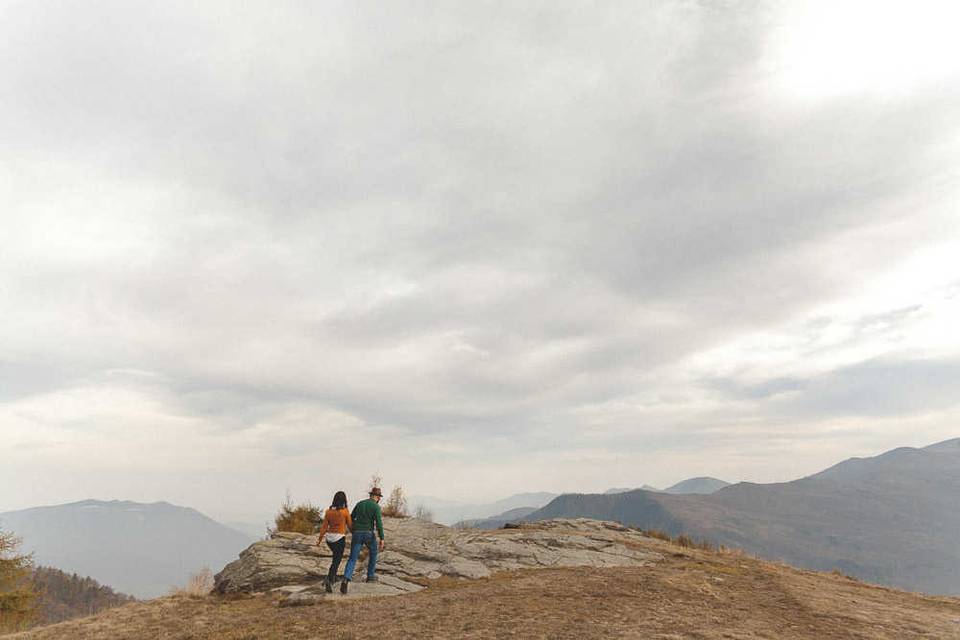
(381, 545)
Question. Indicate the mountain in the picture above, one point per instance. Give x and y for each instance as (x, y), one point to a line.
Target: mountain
(497, 521)
(892, 519)
(449, 512)
(141, 549)
(702, 485)
(613, 490)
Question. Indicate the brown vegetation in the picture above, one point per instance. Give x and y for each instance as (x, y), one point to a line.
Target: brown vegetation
(18, 597)
(63, 596)
(302, 518)
(396, 506)
(682, 540)
(199, 585)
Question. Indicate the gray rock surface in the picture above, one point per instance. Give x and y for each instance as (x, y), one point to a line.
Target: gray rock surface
(293, 565)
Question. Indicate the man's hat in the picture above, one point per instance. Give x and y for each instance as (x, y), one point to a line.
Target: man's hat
(376, 492)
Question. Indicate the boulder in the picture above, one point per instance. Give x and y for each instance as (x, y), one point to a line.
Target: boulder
(418, 550)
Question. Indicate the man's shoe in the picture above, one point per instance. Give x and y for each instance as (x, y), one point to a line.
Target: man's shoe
(373, 579)
(343, 586)
(328, 585)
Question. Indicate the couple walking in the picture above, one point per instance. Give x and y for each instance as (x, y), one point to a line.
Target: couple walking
(337, 520)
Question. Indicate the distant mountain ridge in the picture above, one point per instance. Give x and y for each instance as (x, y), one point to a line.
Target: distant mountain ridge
(892, 519)
(702, 485)
(140, 549)
(449, 511)
(497, 521)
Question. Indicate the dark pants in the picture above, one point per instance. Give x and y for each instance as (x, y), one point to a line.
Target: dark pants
(337, 549)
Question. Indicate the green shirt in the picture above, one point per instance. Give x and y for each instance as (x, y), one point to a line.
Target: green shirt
(366, 514)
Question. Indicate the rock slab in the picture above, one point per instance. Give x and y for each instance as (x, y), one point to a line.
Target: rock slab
(416, 550)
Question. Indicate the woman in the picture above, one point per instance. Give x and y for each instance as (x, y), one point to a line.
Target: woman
(333, 531)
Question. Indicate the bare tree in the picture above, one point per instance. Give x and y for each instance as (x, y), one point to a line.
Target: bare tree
(421, 512)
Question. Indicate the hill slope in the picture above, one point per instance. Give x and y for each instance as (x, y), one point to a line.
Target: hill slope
(65, 596)
(891, 519)
(685, 593)
(141, 549)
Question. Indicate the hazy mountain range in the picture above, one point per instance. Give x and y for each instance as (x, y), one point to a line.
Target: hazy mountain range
(892, 519)
(449, 511)
(140, 549)
(702, 485)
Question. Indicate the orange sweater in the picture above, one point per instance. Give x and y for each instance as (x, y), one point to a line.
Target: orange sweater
(336, 521)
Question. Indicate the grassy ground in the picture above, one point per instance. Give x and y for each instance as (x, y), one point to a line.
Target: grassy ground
(693, 594)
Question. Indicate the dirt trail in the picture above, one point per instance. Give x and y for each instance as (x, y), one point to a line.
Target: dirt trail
(692, 595)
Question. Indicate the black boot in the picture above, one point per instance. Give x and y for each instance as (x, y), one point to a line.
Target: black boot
(343, 586)
(328, 584)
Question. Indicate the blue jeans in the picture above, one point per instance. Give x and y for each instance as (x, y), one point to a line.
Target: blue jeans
(357, 542)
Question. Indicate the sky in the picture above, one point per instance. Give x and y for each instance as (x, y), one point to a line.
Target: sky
(477, 248)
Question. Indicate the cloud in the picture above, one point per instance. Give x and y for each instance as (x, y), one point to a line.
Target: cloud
(881, 388)
(486, 229)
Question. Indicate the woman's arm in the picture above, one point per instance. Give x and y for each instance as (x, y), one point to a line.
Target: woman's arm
(324, 526)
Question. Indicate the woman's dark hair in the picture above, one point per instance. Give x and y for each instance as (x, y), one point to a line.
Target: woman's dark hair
(339, 500)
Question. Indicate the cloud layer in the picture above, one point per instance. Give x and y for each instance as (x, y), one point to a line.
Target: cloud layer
(485, 248)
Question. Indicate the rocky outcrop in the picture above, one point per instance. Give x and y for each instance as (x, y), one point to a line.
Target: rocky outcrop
(416, 551)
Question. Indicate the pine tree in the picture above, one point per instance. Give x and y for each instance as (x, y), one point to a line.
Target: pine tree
(17, 595)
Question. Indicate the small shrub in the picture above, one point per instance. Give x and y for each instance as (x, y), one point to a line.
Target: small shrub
(302, 518)
(396, 506)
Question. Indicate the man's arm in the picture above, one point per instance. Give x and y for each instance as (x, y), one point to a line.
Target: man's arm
(380, 525)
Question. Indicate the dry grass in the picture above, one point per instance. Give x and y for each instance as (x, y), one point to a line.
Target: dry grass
(199, 585)
(682, 540)
(691, 594)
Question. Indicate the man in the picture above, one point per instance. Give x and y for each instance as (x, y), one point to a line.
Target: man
(366, 517)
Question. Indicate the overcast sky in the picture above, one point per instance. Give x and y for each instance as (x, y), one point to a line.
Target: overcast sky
(481, 248)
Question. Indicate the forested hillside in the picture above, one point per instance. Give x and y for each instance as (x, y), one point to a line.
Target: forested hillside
(64, 595)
